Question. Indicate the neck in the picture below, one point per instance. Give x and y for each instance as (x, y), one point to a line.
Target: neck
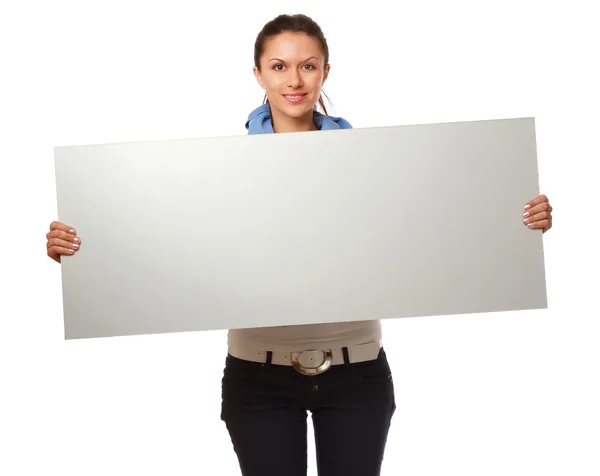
(283, 123)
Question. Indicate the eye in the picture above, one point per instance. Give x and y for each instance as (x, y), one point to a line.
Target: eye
(309, 66)
(277, 67)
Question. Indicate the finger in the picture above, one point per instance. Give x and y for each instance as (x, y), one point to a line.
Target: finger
(56, 251)
(539, 224)
(63, 235)
(56, 225)
(542, 207)
(59, 250)
(537, 217)
(536, 201)
(62, 244)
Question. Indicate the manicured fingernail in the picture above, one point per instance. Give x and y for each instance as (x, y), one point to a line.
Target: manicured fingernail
(527, 206)
(530, 224)
(75, 245)
(526, 220)
(526, 214)
(72, 231)
(76, 240)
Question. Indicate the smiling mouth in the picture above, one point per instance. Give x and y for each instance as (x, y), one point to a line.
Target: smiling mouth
(295, 97)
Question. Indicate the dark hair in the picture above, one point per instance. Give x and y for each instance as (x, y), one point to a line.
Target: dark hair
(295, 24)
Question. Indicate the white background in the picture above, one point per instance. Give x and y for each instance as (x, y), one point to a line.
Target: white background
(495, 394)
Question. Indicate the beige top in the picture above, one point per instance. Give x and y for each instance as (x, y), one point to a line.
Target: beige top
(305, 337)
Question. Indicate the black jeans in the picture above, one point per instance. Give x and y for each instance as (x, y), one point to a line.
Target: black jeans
(265, 410)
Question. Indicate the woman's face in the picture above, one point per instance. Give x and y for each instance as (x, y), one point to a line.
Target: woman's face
(292, 73)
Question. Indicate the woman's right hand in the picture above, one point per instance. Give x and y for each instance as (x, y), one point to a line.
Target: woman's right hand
(62, 240)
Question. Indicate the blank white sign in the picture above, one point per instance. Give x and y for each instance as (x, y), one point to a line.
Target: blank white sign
(300, 228)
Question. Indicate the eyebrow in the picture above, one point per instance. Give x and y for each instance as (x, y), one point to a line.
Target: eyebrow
(277, 59)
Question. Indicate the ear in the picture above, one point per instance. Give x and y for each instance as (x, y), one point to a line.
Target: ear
(258, 77)
(326, 72)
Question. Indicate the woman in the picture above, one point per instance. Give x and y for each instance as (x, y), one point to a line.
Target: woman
(272, 377)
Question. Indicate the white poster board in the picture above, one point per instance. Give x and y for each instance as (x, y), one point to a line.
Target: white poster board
(300, 228)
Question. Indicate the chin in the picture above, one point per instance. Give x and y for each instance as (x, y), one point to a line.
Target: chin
(298, 111)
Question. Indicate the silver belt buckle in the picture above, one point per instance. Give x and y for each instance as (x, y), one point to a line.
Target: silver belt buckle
(327, 359)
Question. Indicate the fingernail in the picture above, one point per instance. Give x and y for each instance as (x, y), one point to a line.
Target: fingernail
(526, 214)
(75, 245)
(530, 224)
(76, 240)
(526, 220)
(72, 231)
(527, 206)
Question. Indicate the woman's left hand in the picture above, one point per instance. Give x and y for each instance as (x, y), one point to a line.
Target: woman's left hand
(538, 213)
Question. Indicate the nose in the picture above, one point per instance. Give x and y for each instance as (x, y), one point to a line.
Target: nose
(295, 80)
